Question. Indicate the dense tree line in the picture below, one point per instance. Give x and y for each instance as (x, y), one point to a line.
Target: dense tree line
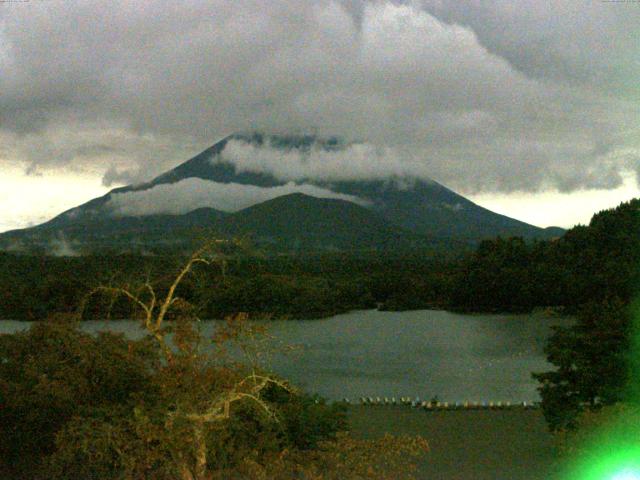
(595, 359)
(313, 286)
(587, 264)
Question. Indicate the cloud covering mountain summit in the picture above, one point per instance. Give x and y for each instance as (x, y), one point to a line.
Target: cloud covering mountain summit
(490, 97)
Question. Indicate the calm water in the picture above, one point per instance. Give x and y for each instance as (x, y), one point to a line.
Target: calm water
(420, 353)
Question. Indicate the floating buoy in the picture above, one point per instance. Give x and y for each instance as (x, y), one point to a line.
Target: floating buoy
(435, 404)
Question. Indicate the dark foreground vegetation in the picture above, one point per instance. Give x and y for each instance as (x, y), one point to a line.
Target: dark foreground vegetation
(79, 407)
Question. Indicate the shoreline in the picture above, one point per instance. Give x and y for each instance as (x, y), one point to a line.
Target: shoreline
(551, 312)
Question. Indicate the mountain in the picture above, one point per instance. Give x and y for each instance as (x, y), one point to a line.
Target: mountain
(298, 221)
(212, 192)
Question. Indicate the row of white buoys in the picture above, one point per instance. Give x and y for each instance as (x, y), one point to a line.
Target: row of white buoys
(478, 405)
(437, 405)
(377, 401)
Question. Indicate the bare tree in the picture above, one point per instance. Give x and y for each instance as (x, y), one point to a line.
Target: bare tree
(183, 359)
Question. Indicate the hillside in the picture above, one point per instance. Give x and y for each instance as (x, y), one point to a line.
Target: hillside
(298, 221)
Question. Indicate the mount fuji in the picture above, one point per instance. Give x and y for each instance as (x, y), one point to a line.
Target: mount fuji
(250, 192)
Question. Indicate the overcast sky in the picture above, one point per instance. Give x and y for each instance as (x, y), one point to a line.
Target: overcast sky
(529, 107)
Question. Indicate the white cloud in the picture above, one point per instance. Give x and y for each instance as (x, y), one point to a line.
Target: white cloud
(192, 193)
(60, 247)
(351, 162)
(555, 208)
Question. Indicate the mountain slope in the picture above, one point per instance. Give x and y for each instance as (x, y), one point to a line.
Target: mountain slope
(289, 222)
(407, 210)
(97, 232)
(422, 206)
(300, 221)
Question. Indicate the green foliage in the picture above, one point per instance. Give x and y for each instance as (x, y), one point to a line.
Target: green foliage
(588, 264)
(282, 297)
(592, 271)
(591, 363)
(496, 277)
(593, 357)
(53, 373)
(279, 287)
(79, 406)
(173, 405)
(307, 419)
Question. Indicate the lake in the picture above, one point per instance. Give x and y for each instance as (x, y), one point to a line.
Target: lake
(422, 353)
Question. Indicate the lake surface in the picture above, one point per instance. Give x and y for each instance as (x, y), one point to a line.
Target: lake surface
(420, 353)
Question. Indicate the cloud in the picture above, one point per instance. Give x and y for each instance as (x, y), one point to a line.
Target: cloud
(580, 43)
(349, 162)
(192, 193)
(59, 246)
(114, 176)
(484, 98)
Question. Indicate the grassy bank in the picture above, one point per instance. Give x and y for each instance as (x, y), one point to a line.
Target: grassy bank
(468, 445)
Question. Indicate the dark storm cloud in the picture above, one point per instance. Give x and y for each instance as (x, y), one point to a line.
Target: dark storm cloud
(483, 96)
(578, 42)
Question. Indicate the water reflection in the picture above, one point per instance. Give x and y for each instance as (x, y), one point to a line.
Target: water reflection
(420, 353)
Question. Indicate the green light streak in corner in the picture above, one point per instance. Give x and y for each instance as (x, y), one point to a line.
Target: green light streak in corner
(610, 451)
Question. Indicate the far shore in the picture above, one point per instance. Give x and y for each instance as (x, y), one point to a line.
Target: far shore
(542, 311)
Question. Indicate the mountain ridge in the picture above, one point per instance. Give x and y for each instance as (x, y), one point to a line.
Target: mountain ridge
(413, 211)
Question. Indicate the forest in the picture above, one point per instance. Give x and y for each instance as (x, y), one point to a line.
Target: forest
(587, 264)
(301, 287)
